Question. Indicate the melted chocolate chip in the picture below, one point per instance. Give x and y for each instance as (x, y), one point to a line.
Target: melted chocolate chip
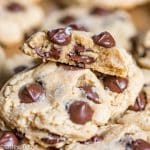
(115, 84)
(140, 144)
(20, 68)
(15, 7)
(80, 112)
(31, 93)
(93, 140)
(52, 53)
(104, 39)
(100, 11)
(78, 27)
(76, 55)
(91, 94)
(52, 139)
(8, 141)
(60, 36)
(68, 67)
(140, 103)
(81, 59)
(67, 20)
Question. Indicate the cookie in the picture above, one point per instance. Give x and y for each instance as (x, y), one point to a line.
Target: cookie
(53, 97)
(17, 21)
(107, 3)
(139, 113)
(18, 63)
(58, 92)
(143, 50)
(96, 20)
(78, 48)
(115, 137)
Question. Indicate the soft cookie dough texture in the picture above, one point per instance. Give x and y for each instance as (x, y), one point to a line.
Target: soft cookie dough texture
(16, 20)
(73, 99)
(96, 20)
(105, 3)
(78, 48)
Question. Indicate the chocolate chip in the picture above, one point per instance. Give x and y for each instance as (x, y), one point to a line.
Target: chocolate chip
(52, 53)
(115, 84)
(100, 11)
(68, 67)
(60, 36)
(52, 148)
(8, 141)
(20, 68)
(31, 93)
(67, 20)
(19, 134)
(78, 27)
(140, 103)
(140, 144)
(93, 140)
(76, 55)
(80, 112)
(104, 39)
(90, 93)
(52, 139)
(15, 7)
(81, 59)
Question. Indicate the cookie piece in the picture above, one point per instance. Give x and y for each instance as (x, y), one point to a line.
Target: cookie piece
(143, 50)
(95, 20)
(17, 21)
(49, 98)
(115, 137)
(78, 48)
(107, 3)
(139, 113)
(18, 63)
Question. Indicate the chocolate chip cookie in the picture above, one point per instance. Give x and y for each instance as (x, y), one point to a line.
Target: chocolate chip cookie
(96, 20)
(79, 48)
(143, 50)
(107, 3)
(139, 113)
(17, 21)
(55, 104)
(115, 137)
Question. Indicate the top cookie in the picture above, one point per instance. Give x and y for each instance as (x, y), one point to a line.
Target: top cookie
(143, 50)
(79, 48)
(16, 20)
(95, 20)
(107, 3)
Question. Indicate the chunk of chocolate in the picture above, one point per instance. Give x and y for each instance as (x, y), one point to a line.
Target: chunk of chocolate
(140, 144)
(80, 112)
(31, 93)
(104, 39)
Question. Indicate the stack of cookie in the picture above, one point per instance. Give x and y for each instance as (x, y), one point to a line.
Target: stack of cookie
(81, 84)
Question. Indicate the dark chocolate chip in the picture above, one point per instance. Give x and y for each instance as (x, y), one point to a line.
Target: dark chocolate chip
(140, 103)
(91, 94)
(52, 148)
(8, 141)
(61, 36)
(80, 112)
(78, 27)
(52, 53)
(31, 93)
(115, 84)
(93, 140)
(68, 67)
(52, 139)
(81, 59)
(100, 11)
(140, 144)
(78, 48)
(20, 68)
(104, 39)
(19, 134)
(15, 7)
(67, 20)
